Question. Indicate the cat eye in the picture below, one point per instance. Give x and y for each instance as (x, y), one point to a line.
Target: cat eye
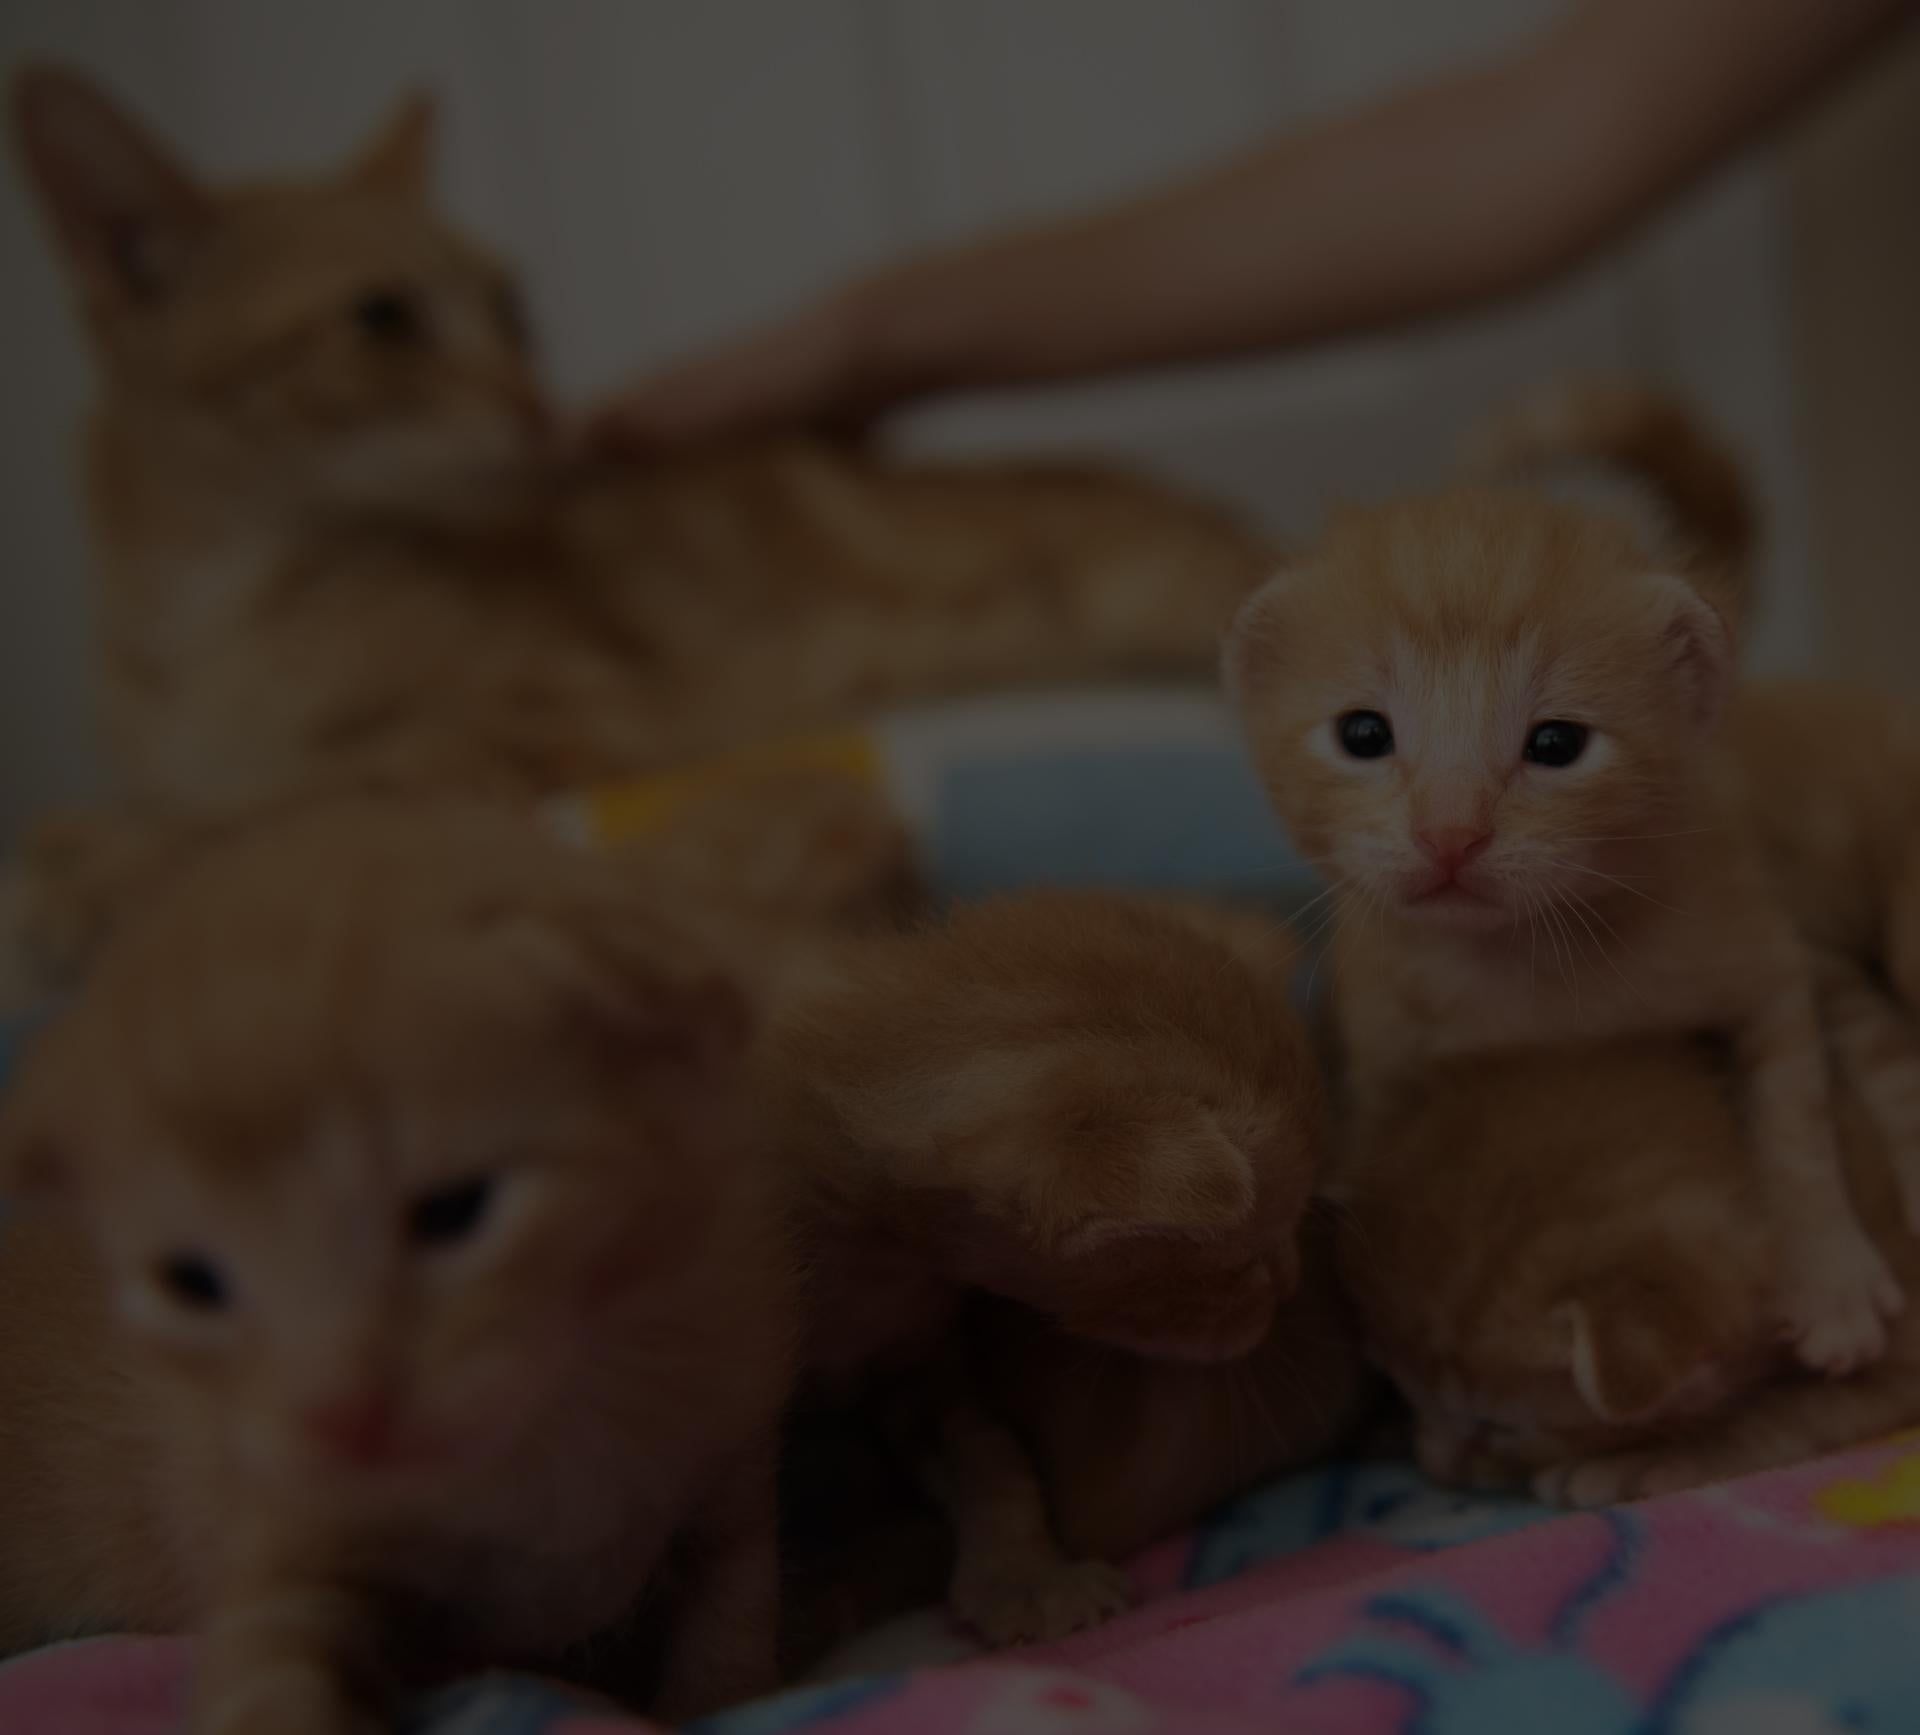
(193, 1282)
(390, 316)
(1365, 735)
(450, 1214)
(1556, 744)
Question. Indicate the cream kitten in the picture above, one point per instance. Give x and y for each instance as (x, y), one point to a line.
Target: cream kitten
(1491, 721)
(413, 1288)
(1102, 1109)
(1558, 1257)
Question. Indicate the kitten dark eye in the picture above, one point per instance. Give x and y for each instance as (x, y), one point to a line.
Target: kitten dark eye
(450, 1215)
(1556, 744)
(193, 1282)
(1365, 734)
(390, 316)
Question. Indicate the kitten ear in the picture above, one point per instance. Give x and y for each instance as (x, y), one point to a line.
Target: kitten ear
(1698, 646)
(628, 986)
(400, 159)
(1257, 630)
(1634, 1350)
(34, 1157)
(1185, 1177)
(125, 213)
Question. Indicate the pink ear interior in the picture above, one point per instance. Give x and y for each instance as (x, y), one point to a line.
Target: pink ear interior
(1250, 640)
(126, 213)
(1699, 647)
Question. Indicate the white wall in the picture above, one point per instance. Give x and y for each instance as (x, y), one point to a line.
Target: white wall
(669, 171)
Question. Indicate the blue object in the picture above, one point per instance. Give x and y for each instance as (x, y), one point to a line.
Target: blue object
(1172, 819)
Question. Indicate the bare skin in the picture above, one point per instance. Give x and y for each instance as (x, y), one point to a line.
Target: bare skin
(1451, 194)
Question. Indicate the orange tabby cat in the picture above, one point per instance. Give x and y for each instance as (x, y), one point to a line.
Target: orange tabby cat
(1491, 721)
(413, 1286)
(334, 545)
(1103, 1109)
(1557, 1256)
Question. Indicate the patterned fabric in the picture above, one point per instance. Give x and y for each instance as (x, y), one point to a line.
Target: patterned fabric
(1354, 1601)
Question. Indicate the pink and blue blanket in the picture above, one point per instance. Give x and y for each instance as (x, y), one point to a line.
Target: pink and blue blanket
(1356, 1600)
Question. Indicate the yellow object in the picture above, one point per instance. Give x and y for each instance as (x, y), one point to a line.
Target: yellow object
(1876, 1503)
(617, 812)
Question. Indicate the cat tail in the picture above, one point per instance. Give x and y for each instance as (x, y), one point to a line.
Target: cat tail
(1651, 436)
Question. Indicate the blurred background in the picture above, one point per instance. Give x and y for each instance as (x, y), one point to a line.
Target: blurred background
(667, 172)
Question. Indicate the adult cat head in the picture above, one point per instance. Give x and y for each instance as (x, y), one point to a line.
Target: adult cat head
(323, 343)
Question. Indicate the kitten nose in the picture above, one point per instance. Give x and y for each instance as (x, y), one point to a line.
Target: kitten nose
(357, 1427)
(1451, 847)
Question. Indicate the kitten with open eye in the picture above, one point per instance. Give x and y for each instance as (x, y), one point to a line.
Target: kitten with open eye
(1560, 1259)
(411, 1291)
(1492, 721)
(1102, 1111)
(335, 545)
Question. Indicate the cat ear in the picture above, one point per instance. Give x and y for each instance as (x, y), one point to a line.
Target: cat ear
(625, 984)
(1185, 1177)
(1257, 630)
(124, 212)
(400, 159)
(1698, 646)
(34, 1159)
(1634, 1350)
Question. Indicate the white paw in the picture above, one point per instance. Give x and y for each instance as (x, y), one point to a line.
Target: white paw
(1590, 1483)
(1838, 1298)
(1032, 1603)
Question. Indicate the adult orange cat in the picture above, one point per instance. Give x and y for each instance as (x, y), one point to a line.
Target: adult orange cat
(334, 545)
(414, 1286)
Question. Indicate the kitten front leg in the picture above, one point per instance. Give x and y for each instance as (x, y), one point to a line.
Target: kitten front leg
(1836, 1291)
(1877, 1050)
(1767, 1430)
(723, 1637)
(292, 1652)
(1012, 1582)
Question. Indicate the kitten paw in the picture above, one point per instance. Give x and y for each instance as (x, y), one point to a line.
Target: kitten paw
(1838, 1300)
(1589, 1483)
(1032, 1603)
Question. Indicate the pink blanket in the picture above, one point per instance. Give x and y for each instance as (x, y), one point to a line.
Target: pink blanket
(1355, 1601)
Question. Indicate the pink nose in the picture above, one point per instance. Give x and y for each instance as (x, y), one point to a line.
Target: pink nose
(357, 1428)
(1451, 847)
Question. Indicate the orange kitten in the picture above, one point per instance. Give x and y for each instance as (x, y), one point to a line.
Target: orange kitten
(1491, 721)
(1829, 778)
(1103, 1109)
(334, 545)
(1558, 1258)
(413, 1287)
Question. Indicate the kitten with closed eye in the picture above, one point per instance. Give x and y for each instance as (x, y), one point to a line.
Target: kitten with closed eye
(411, 1288)
(1560, 1258)
(1102, 1111)
(335, 547)
(1491, 720)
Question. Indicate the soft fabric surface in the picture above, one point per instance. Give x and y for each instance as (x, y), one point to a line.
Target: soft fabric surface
(1354, 1601)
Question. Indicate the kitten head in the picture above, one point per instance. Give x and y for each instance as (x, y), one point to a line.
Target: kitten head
(329, 340)
(1126, 1091)
(1553, 1254)
(1471, 706)
(388, 1128)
